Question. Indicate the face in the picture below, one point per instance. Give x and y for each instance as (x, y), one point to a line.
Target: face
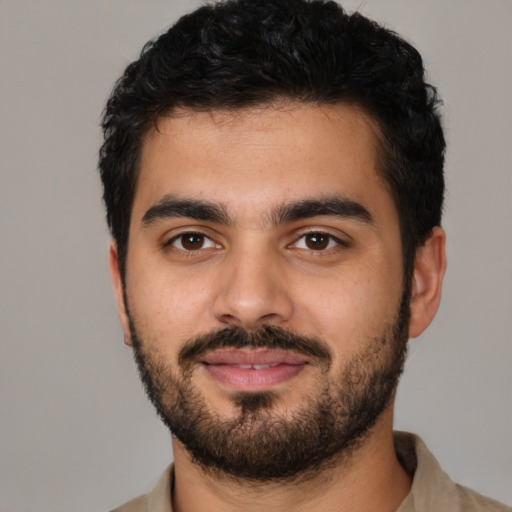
(263, 284)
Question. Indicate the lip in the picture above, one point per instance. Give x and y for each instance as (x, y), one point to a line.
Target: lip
(253, 370)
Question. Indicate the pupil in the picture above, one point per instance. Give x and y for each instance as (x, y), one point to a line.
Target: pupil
(192, 242)
(317, 241)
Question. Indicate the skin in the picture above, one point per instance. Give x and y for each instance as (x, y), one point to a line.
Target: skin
(252, 272)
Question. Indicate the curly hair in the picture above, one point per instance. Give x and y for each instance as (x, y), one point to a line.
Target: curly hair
(239, 53)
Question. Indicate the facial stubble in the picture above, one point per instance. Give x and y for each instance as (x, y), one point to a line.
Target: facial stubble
(256, 443)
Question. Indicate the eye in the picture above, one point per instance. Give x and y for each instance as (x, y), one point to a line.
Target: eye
(318, 241)
(191, 242)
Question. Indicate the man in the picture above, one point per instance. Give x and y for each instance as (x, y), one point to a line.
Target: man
(273, 176)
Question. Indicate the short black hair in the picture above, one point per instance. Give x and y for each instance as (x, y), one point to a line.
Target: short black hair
(240, 53)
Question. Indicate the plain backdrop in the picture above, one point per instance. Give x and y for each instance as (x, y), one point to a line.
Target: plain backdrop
(76, 431)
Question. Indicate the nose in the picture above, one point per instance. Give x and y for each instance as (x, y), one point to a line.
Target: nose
(252, 292)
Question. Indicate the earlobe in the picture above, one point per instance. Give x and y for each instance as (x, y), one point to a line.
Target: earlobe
(427, 281)
(117, 283)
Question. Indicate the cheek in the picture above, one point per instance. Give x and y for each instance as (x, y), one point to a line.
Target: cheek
(350, 307)
(168, 307)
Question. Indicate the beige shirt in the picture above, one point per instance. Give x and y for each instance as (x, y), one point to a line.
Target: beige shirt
(432, 489)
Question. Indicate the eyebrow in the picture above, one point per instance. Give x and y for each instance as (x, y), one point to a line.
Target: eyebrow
(338, 206)
(172, 207)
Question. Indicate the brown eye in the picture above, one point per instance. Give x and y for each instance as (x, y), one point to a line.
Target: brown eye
(192, 242)
(317, 241)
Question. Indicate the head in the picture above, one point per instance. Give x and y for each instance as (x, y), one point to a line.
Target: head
(273, 179)
(237, 54)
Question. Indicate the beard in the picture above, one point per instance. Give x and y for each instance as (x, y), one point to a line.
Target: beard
(256, 444)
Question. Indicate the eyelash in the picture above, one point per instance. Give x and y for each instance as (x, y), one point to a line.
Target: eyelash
(182, 236)
(333, 242)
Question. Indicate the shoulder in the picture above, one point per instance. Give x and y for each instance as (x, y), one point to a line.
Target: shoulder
(158, 500)
(432, 489)
(471, 501)
(139, 504)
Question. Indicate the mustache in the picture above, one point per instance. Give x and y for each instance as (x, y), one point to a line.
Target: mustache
(268, 337)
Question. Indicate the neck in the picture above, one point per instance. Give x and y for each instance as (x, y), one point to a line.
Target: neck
(370, 480)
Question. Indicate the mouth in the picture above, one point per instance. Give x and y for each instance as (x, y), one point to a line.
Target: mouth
(253, 370)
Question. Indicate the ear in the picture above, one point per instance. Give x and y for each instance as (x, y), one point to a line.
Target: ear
(427, 281)
(117, 282)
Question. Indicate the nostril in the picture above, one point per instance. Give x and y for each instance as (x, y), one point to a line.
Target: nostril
(269, 317)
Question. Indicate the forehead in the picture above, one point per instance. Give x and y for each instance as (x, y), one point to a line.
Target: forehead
(261, 157)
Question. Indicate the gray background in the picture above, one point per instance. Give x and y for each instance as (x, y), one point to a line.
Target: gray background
(76, 432)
